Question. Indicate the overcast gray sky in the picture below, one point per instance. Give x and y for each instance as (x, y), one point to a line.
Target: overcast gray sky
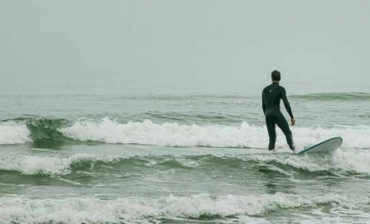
(196, 45)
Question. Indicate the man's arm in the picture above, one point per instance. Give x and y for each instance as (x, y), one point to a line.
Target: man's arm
(286, 103)
(263, 105)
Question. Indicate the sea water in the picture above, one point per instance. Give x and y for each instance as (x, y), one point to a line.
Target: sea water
(180, 157)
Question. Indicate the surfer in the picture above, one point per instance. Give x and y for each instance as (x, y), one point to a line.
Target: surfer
(271, 96)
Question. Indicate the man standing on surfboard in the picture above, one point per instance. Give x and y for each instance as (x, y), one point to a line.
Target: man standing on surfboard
(271, 96)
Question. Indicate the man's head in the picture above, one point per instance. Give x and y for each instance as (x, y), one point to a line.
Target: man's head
(275, 76)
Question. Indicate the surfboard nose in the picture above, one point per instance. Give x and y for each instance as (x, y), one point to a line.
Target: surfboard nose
(325, 146)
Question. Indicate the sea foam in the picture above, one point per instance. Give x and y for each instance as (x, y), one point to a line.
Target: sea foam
(147, 132)
(342, 161)
(173, 134)
(144, 210)
(14, 133)
(48, 165)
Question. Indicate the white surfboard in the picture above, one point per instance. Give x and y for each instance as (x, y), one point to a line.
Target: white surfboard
(325, 146)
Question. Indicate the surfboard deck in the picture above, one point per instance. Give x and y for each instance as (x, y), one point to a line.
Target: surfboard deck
(324, 147)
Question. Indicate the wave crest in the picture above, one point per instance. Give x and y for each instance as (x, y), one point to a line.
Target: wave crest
(177, 135)
(48, 133)
(350, 96)
(138, 209)
(342, 162)
(14, 133)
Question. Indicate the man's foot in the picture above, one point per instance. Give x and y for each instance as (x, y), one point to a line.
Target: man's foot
(272, 150)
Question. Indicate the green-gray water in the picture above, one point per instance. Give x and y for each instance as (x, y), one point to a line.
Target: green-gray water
(180, 159)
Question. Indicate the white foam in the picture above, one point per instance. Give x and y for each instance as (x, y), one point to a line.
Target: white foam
(58, 165)
(14, 133)
(342, 160)
(48, 165)
(173, 134)
(143, 210)
(348, 160)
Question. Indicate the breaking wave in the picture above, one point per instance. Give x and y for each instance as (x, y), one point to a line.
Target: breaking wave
(342, 161)
(145, 210)
(53, 133)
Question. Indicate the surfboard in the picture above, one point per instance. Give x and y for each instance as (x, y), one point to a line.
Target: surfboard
(325, 146)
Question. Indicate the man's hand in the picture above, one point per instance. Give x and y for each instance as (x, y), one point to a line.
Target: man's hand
(292, 121)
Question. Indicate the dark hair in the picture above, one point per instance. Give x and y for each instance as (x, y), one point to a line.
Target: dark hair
(275, 75)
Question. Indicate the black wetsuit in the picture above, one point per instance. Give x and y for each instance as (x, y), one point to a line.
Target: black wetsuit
(271, 96)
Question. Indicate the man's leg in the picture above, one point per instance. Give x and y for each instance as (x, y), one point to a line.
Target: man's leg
(270, 123)
(284, 126)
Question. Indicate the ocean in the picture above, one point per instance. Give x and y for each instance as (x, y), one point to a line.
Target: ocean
(110, 157)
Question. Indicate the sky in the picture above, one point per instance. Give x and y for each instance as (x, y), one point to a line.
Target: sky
(183, 46)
